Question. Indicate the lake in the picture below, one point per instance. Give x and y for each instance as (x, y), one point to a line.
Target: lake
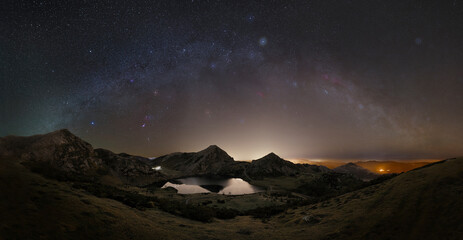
(228, 186)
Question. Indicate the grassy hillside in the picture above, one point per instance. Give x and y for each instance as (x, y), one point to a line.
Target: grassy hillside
(33, 207)
(421, 204)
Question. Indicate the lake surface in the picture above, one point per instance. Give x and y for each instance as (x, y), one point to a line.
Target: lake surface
(228, 186)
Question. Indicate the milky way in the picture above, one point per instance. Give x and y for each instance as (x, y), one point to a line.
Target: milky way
(304, 79)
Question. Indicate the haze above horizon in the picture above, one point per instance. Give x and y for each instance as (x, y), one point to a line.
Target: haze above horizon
(303, 79)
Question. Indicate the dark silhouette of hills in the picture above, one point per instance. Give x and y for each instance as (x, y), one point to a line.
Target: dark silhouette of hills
(215, 161)
(272, 165)
(63, 155)
(356, 171)
(421, 204)
(210, 161)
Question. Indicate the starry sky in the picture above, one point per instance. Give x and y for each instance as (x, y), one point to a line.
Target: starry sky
(304, 79)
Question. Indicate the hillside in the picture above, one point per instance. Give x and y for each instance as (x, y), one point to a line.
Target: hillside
(215, 161)
(391, 166)
(36, 203)
(271, 165)
(62, 155)
(34, 207)
(421, 204)
(357, 171)
(210, 161)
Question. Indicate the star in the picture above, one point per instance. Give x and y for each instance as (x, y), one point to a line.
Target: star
(250, 18)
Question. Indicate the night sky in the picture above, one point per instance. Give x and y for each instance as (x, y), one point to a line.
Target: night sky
(304, 79)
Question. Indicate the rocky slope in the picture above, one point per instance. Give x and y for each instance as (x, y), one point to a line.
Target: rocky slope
(60, 149)
(215, 161)
(421, 204)
(130, 169)
(357, 171)
(210, 161)
(272, 165)
(63, 155)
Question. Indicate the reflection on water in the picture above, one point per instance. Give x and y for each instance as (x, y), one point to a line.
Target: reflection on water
(229, 186)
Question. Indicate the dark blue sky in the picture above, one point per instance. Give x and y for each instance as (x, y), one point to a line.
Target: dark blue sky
(304, 79)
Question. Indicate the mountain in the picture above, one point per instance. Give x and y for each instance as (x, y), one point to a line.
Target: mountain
(272, 165)
(60, 150)
(421, 204)
(215, 161)
(210, 161)
(424, 203)
(129, 169)
(357, 171)
(391, 166)
(64, 156)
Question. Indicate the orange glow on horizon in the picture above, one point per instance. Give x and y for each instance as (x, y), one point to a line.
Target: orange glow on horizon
(376, 166)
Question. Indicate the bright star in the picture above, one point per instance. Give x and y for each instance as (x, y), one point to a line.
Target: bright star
(263, 41)
(250, 18)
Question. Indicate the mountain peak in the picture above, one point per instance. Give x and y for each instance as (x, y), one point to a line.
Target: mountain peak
(62, 132)
(213, 147)
(62, 136)
(351, 164)
(208, 161)
(215, 152)
(271, 165)
(272, 154)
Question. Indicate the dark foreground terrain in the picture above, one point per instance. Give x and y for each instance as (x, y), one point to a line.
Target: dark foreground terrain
(421, 204)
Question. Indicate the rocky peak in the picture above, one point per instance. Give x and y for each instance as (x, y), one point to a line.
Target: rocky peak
(271, 165)
(59, 149)
(66, 156)
(272, 158)
(211, 148)
(216, 153)
(351, 164)
(63, 136)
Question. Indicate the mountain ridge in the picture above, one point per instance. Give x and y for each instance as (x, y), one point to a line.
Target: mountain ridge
(357, 171)
(61, 154)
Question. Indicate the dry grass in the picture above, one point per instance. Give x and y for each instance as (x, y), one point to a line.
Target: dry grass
(423, 204)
